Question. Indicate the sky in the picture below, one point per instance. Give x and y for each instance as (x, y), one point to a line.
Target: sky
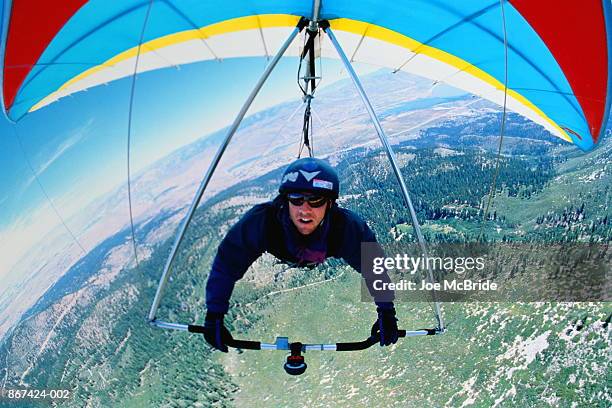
(77, 147)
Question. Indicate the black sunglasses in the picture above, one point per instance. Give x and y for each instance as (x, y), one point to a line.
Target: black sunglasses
(315, 201)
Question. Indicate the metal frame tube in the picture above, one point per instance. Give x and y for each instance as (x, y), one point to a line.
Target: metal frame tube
(282, 343)
(392, 159)
(316, 7)
(211, 169)
(170, 326)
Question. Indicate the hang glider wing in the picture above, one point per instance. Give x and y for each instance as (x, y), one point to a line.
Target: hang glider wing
(554, 57)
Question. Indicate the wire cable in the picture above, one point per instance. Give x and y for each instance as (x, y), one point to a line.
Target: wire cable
(129, 131)
(44, 191)
(310, 81)
(502, 127)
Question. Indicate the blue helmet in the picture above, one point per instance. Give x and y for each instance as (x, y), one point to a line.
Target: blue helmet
(311, 175)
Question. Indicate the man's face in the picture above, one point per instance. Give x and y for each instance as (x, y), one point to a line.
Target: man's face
(306, 218)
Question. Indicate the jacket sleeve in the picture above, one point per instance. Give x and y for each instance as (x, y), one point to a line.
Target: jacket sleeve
(356, 232)
(242, 245)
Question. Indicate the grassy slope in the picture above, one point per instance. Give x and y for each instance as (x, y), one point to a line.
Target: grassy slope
(485, 355)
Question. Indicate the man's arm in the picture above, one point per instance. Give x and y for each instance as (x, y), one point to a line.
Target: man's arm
(242, 245)
(356, 232)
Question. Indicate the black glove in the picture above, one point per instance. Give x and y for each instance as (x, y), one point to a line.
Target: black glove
(215, 332)
(386, 325)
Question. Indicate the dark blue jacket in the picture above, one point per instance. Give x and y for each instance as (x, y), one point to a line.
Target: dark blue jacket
(264, 228)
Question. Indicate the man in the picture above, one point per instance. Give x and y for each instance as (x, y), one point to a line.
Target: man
(302, 226)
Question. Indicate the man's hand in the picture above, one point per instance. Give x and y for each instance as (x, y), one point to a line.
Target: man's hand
(386, 325)
(215, 332)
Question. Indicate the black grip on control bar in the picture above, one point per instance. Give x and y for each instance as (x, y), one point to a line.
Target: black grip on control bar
(242, 344)
(362, 345)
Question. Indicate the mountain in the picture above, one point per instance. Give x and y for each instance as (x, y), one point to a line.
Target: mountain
(88, 332)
